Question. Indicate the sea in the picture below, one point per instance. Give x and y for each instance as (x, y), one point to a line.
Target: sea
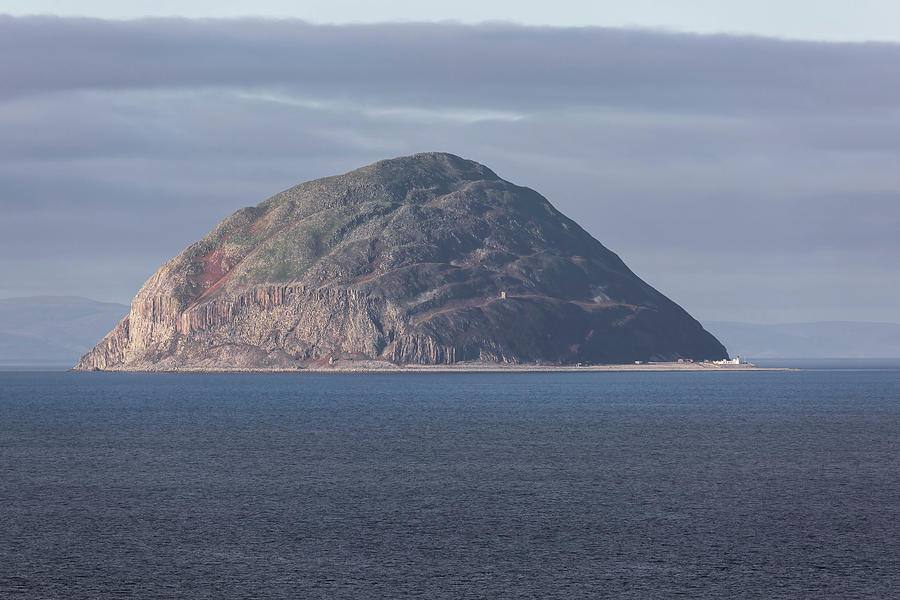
(452, 485)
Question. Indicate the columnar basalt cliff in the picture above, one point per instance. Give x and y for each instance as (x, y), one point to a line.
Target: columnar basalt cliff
(426, 259)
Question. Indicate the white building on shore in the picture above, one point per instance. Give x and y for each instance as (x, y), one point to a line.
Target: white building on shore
(734, 361)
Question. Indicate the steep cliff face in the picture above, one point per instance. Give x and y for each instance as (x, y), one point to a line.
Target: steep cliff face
(425, 259)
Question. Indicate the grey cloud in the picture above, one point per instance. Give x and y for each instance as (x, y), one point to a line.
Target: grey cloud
(492, 64)
(746, 175)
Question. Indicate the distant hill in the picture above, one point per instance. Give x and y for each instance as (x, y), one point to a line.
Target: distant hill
(824, 339)
(53, 329)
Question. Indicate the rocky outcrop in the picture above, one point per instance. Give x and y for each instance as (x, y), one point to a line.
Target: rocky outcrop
(427, 259)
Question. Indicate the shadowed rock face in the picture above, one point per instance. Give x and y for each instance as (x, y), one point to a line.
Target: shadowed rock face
(405, 260)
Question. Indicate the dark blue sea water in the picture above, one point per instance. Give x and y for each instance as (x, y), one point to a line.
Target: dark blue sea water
(584, 485)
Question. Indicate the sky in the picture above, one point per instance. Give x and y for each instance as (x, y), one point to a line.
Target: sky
(749, 178)
(835, 20)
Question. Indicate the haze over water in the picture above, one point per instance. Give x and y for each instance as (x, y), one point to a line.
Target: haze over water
(626, 485)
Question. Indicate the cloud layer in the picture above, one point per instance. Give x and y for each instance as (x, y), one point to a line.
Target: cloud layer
(748, 178)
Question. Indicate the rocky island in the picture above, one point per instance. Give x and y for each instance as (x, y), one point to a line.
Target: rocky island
(428, 259)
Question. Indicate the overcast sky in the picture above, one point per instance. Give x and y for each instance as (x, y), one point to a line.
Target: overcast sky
(748, 178)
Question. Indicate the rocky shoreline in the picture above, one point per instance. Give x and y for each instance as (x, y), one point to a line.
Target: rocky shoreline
(384, 367)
